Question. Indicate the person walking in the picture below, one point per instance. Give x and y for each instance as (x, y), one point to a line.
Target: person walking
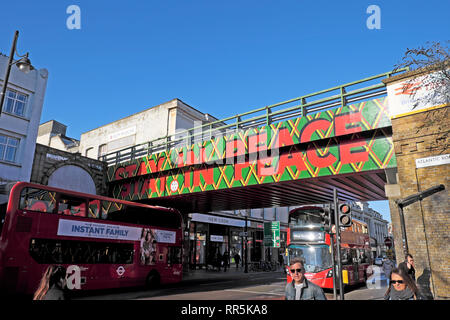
(52, 284)
(388, 266)
(226, 260)
(401, 287)
(219, 260)
(237, 259)
(280, 260)
(408, 266)
(300, 288)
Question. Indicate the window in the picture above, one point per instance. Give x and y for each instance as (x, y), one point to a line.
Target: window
(15, 103)
(72, 206)
(8, 148)
(102, 149)
(174, 256)
(70, 251)
(37, 200)
(90, 152)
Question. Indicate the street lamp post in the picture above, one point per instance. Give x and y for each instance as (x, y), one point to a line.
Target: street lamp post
(401, 203)
(246, 246)
(23, 64)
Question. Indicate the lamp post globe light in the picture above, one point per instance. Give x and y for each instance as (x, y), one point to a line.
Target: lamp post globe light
(23, 64)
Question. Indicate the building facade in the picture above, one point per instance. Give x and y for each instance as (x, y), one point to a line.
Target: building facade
(153, 123)
(378, 227)
(421, 126)
(19, 121)
(53, 134)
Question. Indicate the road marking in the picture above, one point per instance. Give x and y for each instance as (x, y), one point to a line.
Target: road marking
(256, 292)
(218, 282)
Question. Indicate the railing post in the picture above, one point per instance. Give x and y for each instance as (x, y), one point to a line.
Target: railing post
(133, 150)
(237, 123)
(149, 146)
(268, 118)
(343, 98)
(210, 132)
(303, 103)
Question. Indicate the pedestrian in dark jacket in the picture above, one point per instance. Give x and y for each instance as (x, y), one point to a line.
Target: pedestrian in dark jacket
(226, 260)
(237, 259)
(52, 284)
(408, 266)
(300, 288)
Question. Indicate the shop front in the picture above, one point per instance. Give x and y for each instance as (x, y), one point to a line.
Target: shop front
(211, 236)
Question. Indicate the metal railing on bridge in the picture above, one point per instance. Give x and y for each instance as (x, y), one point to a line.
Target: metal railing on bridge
(314, 102)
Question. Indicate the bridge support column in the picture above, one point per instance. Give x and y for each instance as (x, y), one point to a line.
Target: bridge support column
(421, 142)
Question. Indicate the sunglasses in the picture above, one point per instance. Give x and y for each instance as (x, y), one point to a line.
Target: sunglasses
(396, 281)
(297, 270)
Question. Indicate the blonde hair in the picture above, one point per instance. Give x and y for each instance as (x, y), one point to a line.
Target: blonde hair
(44, 284)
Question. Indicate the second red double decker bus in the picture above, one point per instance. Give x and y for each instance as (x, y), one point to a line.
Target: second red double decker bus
(102, 242)
(308, 241)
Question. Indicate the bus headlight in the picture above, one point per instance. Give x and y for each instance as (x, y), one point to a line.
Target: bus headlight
(330, 273)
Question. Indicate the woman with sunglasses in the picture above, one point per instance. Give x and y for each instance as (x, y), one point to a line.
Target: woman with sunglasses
(401, 287)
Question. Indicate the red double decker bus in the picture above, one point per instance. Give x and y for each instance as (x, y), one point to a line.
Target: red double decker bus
(308, 241)
(102, 242)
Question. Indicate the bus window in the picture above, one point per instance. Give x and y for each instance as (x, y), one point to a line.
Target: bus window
(109, 207)
(94, 209)
(2, 215)
(67, 251)
(37, 200)
(72, 206)
(346, 256)
(174, 256)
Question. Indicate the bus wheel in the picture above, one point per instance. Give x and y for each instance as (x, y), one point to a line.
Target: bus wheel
(153, 279)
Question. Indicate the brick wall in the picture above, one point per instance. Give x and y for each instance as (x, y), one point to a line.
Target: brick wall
(421, 135)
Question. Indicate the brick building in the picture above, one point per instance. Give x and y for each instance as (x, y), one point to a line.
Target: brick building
(421, 130)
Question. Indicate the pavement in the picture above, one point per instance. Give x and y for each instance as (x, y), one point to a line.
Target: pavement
(231, 273)
(361, 292)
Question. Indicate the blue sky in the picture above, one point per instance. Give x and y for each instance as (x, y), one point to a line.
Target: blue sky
(221, 57)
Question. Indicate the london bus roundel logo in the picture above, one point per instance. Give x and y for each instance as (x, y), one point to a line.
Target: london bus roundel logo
(120, 271)
(174, 186)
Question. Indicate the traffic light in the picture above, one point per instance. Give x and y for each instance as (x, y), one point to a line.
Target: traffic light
(325, 216)
(345, 217)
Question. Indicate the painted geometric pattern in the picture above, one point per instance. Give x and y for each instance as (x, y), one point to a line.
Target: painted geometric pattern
(348, 147)
(359, 117)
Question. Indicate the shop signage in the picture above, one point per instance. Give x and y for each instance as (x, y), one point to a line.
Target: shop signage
(215, 238)
(218, 220)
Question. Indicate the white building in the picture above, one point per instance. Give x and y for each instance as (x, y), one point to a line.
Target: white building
(160, 121)
(19, 121)
(53, 134)
(378, 227)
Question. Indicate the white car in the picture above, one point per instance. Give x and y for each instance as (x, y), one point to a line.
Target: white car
(378, 261)
(377, 280)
